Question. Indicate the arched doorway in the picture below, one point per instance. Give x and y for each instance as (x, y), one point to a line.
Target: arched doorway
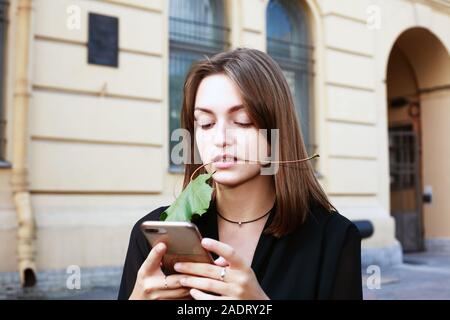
(418, 91)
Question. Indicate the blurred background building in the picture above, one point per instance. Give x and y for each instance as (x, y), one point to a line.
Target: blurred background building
(91, 89)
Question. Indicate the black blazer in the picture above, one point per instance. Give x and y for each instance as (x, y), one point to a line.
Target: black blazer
(319, 260)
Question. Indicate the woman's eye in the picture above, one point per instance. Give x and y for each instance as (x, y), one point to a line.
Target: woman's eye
(206, 126)
(244, 125)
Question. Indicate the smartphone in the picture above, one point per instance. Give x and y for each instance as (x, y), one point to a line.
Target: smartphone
(183, 241)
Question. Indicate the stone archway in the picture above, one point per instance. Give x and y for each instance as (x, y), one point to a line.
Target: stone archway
(418, 91)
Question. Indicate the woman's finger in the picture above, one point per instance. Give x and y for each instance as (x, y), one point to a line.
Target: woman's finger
(225, 251)
(173, 281)
(220, 261)
(162, 282)
(153, 260)
(200, 295)
(199, 269)
(170, 294)
(206, 284)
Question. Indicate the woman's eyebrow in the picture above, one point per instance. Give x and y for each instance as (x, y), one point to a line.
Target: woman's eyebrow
(231, 110)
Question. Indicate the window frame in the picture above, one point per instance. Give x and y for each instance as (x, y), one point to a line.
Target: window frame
(302, 64)
(185, 47)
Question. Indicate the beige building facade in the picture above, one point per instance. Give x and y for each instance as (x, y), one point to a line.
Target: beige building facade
(87, 146)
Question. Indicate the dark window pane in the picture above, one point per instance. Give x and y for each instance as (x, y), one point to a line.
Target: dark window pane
(288, 43)
(196, 29)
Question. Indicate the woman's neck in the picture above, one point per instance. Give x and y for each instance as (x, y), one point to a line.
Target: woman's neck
(247, 201)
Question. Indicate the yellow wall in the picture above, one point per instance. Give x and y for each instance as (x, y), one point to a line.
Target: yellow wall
(98, 146)
(436, 164)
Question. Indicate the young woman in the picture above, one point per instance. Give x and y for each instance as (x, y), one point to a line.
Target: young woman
(275, 236)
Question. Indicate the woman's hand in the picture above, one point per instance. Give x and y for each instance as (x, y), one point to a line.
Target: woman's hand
(152, 284)
(238, 282)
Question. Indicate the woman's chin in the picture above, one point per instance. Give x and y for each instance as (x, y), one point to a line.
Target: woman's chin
(227, 178)
(232, 178)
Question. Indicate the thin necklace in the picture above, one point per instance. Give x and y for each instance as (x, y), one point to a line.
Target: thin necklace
(240, 223)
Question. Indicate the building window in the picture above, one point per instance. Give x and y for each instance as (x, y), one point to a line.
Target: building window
(288, 43)
(196, 28)
(3, 27)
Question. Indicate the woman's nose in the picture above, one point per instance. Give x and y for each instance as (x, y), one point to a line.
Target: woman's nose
(222, 136)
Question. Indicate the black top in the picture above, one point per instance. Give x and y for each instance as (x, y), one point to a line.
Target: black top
(319, 260)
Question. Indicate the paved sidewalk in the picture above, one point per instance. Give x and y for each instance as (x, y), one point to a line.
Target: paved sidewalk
(96, 283)
(422, 276)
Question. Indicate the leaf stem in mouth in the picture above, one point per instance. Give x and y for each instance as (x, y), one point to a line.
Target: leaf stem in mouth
(251, 161)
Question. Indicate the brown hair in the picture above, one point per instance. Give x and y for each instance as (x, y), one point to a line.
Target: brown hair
(267, 98)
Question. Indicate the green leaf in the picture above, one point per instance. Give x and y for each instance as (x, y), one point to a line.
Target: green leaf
(194, 199)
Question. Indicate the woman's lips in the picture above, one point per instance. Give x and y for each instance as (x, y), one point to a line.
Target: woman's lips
(225, 163)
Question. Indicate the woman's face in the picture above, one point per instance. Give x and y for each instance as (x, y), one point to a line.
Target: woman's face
(224, 129)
